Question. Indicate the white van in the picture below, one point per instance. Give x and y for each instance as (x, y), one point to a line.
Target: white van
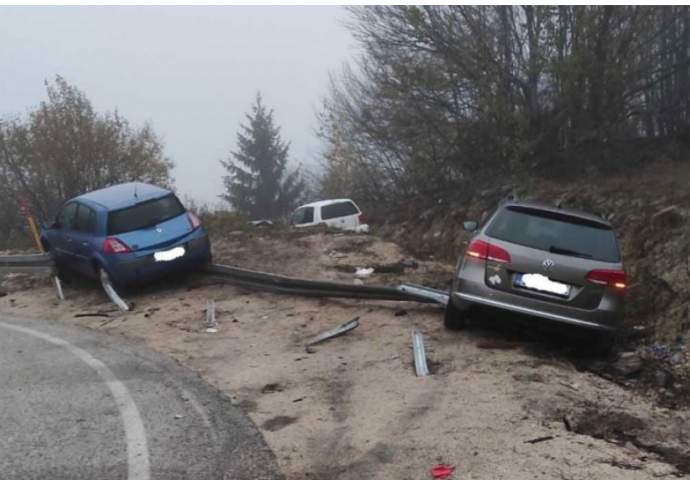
(341, 213)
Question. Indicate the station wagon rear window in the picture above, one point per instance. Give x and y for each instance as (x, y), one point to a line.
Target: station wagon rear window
(144, 215)
(337, 210)
(556, 233)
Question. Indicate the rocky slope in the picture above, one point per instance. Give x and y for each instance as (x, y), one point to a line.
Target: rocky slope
(650, 210)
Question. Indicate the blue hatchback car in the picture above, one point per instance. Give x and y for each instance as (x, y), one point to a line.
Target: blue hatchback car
(126, 234)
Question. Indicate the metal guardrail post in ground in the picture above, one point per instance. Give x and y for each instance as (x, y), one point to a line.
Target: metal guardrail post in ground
(420, 365)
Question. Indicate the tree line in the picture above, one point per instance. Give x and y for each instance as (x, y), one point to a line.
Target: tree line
(444, 96)
(63, 148)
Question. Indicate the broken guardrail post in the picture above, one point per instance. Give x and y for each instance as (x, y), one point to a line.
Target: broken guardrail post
(58, 286)
(112, 293)
(211, 323)
(420, 365)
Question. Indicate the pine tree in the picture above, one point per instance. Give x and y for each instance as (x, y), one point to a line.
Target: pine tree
(259, 184)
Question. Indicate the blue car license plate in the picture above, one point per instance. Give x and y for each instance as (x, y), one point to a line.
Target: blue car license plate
(169, 255)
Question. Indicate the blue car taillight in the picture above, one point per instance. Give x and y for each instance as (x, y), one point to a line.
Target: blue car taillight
(114, 245)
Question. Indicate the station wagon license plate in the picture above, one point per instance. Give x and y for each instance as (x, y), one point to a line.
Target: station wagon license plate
(541, 283)
(168, 255)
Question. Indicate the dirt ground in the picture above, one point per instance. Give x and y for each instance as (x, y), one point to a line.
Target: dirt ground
(353, 408)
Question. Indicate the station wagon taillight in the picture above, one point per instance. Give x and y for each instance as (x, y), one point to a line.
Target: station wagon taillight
(363, 220)
(482, 250)
(193, 220)
(114, 245)
(611, 278)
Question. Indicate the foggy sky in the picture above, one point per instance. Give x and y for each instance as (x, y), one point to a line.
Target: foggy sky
(193, 72)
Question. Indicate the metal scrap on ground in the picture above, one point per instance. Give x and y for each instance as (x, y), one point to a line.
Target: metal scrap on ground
(540, 439)
(420, 365)
(211, 323)
(335, 332)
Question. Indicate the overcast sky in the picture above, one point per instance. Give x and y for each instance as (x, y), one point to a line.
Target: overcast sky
(192, 71)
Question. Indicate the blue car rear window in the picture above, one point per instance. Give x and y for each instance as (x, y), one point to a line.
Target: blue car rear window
(144, 215)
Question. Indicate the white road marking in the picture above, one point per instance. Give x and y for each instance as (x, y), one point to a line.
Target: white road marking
(138, 463)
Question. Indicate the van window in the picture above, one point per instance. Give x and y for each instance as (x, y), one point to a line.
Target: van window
(144, 215)
(555, 232)
(86, 219)
(303, 215)
(337, 210)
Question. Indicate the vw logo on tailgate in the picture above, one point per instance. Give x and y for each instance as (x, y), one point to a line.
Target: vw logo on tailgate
(548, 265)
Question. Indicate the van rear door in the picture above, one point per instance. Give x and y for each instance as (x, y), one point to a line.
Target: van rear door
(344, 214)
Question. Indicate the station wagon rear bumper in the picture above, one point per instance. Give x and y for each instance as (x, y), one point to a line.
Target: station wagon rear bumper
(470, 288)
(474, 299)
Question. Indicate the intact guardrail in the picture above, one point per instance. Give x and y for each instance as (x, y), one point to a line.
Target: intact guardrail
(33, 263)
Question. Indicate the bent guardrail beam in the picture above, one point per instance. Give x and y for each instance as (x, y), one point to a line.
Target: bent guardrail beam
(273, 283)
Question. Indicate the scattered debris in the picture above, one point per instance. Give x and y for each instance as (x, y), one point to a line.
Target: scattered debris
(419, 355)
(297, 400)
(178, 417)
(336, 332)
(667, 218)
(149, 313)
(211, 323)
(364, 272)
(574, 386)
(400, 313)
(278, 423)
(442, 471)
(272, 388)
(567, 423)
(94, 314)
(540, 439)
(625, 465)
(260, 223)
(491, 344)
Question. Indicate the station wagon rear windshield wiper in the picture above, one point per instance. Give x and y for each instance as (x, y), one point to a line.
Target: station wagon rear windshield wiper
(565, 251)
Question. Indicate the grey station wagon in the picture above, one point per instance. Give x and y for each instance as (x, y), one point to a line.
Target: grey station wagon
(544, 262)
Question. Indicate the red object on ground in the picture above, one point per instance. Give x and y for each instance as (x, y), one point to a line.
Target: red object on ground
(442, 471)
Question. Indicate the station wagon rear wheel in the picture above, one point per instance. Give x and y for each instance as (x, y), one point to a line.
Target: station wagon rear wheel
(454, 319)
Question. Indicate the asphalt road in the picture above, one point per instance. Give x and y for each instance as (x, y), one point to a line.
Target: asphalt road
(75, 404)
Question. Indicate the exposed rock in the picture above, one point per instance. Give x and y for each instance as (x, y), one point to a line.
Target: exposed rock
(661, 378)
(677, 358)
(628, 365)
